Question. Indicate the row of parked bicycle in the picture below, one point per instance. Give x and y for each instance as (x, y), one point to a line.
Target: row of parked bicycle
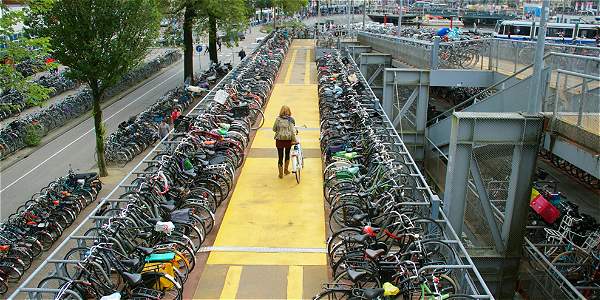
(571, 242)
(12, 102)
(382, 241)
(581, 175)
(424, 33)
(30, 66)
(135, 135)
(40, 221)
(13, 137)
(145, 246)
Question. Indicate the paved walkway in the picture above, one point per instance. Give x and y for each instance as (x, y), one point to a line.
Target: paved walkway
(271, 244)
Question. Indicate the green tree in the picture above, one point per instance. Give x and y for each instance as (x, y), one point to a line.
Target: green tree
(207, 17)
(15, 51)
(100, 41)
(288, 7)
(227, 16)
(262, 4)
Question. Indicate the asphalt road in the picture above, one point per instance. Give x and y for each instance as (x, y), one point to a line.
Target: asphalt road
(75, 147)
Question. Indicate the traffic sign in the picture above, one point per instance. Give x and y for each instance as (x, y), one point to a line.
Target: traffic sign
(199, 48)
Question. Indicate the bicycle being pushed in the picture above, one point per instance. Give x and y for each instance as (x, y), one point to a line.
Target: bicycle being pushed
(297, 157)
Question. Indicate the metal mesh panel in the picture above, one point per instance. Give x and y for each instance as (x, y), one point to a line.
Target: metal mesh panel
(435, 166)
(508, 57)
(464, 54)
(411, 51)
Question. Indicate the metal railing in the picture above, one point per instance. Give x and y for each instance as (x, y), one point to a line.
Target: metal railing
(463, 268)
(494, 54)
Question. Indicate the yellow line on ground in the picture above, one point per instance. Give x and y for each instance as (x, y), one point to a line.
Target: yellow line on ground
(288, 74)
(294, 282)
(232, 282)
(307, 67)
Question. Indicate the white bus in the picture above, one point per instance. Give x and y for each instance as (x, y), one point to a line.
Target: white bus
(563, 33)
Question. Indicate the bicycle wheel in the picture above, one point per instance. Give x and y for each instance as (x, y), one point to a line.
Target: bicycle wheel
(3, 286)
(444, 287)
(338, 294)
(298, 169)
(166, 284)
(574, 265)
(9, 271)
(460, 297)
(260, 120)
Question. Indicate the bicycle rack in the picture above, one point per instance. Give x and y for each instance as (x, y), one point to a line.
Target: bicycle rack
(52, 265)
(463, 268)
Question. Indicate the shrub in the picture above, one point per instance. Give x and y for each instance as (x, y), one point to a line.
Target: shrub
(33, 135)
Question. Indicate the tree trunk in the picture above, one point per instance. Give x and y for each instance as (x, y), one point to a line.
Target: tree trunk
(318, 8)
(212, 39)
(188, 54)
(99, 129)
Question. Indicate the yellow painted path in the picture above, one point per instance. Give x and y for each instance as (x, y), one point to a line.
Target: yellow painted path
(272, 240)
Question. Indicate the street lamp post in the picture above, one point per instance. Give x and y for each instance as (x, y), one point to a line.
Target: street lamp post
(535, 100)
(364, 13)
(400, 19)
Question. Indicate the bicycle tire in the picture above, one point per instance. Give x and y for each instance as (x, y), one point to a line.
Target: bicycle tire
(260, 119)
(3, 286)
(331, 294)
(298, 171)
(164, 283)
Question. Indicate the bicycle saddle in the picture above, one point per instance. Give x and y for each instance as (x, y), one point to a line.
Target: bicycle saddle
(86, 176)
(355, 274)
(145, 250)
(374, 254)
(359, 217)
(358, 238)
(130, 263)
(362, 194)
(203, 162)
(168, 207)
(373, 293)
(132, 278)
(154, 220)
(144, 235)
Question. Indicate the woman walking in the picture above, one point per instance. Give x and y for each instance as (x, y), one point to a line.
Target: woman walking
(285, 136)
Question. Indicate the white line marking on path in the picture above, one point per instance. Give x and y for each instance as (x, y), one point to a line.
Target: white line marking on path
(87, 132)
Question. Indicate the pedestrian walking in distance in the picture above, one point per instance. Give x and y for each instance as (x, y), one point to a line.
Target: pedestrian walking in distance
(219, 44)
(164, 128)
(242, 54)
(285, 136)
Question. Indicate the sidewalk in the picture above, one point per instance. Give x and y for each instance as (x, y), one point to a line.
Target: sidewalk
(271, 244)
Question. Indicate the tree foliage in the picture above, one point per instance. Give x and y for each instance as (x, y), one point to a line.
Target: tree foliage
(231, 17)
(290, 7)
(100, 41)
(18, 48)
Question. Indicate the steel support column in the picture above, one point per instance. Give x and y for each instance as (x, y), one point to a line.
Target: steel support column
(520, 131)
(356, 50)
(419, 81)
(377, 59)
